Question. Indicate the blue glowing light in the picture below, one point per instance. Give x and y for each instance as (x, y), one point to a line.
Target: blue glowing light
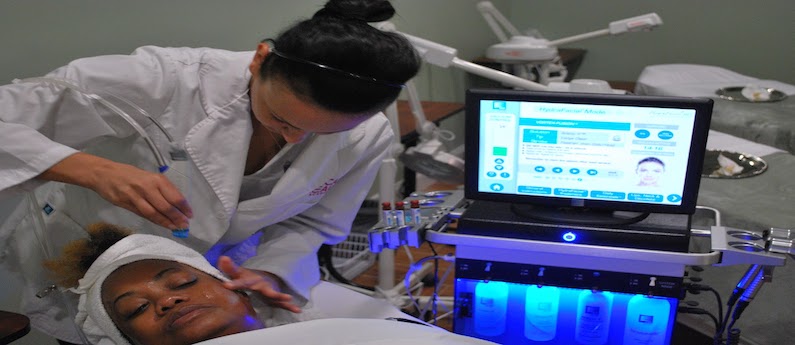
(569, 236)
(513, 313)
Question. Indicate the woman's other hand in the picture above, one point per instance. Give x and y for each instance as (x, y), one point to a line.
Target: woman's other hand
(266, 284)
(147, 194)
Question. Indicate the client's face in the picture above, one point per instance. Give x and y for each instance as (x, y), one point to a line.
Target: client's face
(166, 302)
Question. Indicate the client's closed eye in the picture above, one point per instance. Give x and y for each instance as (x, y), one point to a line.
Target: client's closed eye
(137, 311)
(185, 284)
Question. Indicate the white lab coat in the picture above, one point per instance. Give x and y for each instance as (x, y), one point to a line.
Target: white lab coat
(307, 195)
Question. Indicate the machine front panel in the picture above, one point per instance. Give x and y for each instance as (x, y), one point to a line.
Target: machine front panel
(511, 303)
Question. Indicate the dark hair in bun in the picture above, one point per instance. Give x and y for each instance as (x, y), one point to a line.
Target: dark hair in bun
(369, 11)
(338, 36)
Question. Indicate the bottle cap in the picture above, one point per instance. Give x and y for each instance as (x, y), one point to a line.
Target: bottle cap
(180, 233)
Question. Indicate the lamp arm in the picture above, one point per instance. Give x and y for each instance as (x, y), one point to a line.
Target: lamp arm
(579, 37)
(444, 56)
(494, 19)
(424, 127)
(643, 22)
(500, 76)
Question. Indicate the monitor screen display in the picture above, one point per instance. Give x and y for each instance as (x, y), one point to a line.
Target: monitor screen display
(602, 151)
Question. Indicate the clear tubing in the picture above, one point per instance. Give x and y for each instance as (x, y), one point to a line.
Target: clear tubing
(162, 165)
(161, 162)
(144, 113)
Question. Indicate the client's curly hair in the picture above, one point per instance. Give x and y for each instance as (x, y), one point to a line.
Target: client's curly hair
(77, 256)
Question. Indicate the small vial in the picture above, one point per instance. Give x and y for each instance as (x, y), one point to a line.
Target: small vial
(400, 213)
(386, 211)
(416, 216)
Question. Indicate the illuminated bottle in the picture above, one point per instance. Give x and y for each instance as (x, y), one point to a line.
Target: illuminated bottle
(647, 321)
(594, 309)
(541, 312)
(491, 305)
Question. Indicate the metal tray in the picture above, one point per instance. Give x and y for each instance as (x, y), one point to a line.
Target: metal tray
(752, 165)
(734, 93)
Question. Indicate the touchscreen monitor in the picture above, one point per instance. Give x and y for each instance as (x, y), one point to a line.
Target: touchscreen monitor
(613, 152)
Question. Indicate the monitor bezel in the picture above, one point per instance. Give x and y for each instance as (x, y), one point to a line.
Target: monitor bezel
(702, 106)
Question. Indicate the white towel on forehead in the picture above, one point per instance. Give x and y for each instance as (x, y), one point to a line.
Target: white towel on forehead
(92, 317)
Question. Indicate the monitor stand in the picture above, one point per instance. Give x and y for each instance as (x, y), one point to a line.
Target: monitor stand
(577, 215)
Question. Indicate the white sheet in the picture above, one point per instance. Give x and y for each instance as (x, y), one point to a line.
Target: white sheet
(722, 141)
(342, 316)
(692, 80)
(330, 300)
(348, 332)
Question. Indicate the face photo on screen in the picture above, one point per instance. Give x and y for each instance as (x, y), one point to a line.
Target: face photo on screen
(650, 171)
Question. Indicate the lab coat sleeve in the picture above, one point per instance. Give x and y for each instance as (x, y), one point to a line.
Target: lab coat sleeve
(289, 248)
(43, 123)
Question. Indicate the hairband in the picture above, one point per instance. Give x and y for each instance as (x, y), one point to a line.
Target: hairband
(280, 54)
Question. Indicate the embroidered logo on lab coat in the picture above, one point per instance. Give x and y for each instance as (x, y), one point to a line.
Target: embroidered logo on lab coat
(324, 188)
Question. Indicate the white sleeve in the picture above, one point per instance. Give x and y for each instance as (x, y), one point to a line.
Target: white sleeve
(289, 248)
(43, 123)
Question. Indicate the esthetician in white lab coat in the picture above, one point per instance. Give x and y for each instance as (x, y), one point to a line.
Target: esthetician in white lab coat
(281, 146)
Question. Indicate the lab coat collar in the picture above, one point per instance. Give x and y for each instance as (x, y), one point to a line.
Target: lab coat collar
(224, 78)
(219, 144)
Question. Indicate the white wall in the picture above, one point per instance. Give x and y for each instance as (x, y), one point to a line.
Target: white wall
(40, 35)
(753, 38)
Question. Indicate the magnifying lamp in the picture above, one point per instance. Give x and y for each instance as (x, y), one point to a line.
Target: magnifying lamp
(430, 157)
(523, 51)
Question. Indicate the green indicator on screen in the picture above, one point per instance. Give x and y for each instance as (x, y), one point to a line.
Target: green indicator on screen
(499, 151)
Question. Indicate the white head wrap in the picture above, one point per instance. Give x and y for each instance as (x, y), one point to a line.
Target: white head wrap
(92, 317)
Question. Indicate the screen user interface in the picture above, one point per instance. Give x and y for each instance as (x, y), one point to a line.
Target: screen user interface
(584, 151)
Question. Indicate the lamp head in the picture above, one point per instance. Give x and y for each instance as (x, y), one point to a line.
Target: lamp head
(431, 159)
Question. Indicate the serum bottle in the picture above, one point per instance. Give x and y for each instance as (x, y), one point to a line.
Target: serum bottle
(647, 320)
(491, 306)
(594, 309)
(541, 312)
(400, 213)
(387, 214)
(416, 215)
